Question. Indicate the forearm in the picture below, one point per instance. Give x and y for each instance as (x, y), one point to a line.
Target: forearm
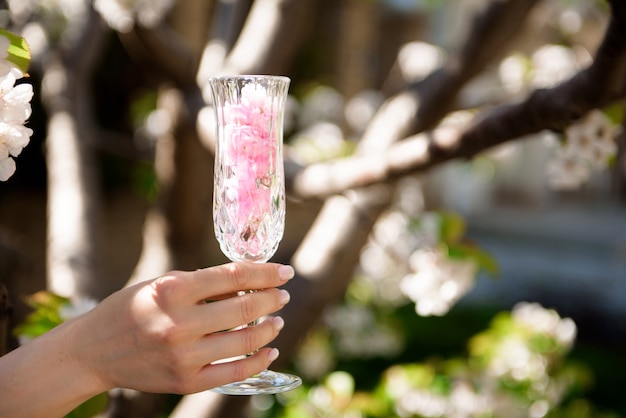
(44, 378)
(156, 336)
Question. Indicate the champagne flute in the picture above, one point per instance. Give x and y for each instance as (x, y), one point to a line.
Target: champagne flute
(249, 193)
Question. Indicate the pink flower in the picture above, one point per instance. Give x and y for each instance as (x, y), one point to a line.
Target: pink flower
(250, 154)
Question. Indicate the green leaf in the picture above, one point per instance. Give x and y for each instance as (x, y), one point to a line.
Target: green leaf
(46, 301)
(485, 261)
(34, 326)
(90, 408)
(19, 51)
(46, 314)
(452, 227)
(615, 113)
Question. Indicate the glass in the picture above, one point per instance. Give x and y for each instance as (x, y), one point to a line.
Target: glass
(249, 193)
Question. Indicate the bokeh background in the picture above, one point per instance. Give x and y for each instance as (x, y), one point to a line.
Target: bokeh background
(478, 284)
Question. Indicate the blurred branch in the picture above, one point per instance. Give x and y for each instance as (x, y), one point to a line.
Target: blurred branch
(602, 83)
(267, 44)
(491, 33)
(270, 37)
(417, 108)
(162, 47)
(225, 26)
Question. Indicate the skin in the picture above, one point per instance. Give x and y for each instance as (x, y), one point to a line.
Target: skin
(157, 336)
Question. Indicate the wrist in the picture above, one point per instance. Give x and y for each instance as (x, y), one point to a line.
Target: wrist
(81, 345)
(48, 376)
(77, 378)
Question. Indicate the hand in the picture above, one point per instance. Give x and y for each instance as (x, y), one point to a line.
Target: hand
(156, 336)
(160, 336)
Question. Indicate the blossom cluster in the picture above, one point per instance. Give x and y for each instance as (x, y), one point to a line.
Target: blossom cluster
(516, 369)
(249, 185)
(437, 281)
(15, 109)
(530, 373)
(588, 146)
(359, 334)
(250, 154)
(407, 258)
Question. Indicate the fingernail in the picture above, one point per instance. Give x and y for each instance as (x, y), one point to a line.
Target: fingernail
(284, 296)
(273, 354)
(286, 272)
(279, 322)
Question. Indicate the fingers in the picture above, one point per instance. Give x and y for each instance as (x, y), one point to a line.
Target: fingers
(226, 345)
(229, 344)
(220, 374)
(230, 278)
(238, 310)
(179, 326)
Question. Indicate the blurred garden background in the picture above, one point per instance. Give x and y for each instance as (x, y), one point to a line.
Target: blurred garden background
(456, 177)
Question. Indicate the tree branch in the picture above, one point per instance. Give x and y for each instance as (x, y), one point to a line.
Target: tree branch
(602, 83)
(491, 32)
(270, 37)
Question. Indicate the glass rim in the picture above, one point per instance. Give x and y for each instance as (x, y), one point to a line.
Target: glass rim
(250, 77)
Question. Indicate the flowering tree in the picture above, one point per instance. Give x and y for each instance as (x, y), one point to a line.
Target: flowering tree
(418, 123)
(15, 108)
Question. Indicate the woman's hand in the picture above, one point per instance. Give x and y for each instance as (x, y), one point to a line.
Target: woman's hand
(161, 336)
(156, 336)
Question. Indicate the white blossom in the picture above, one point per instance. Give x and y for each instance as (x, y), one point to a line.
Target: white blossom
(121, 15)
(437, 281)
(588, 145)
(421, 403)
(513, 73)
(566, 171)
(593, 139)
(14, 100)
(418, 59)
(514, 356)
(15, 109)
(546, 321)
(359, 334)
(552, 64)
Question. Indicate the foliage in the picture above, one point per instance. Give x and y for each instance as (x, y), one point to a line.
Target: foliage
(45, 316)
(18, 51)
(517, 367)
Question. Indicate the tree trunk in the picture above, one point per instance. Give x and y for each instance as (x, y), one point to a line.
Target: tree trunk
(357, 61)
(73, 187)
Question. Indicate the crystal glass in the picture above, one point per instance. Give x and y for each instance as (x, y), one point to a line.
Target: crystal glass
(249, 193)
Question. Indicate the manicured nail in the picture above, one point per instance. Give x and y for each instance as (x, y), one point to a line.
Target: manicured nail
(273, 354)
(279, 322)
(286, 272)
(284, 296)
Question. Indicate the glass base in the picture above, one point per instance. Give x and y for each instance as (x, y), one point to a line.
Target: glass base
(266, 382)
